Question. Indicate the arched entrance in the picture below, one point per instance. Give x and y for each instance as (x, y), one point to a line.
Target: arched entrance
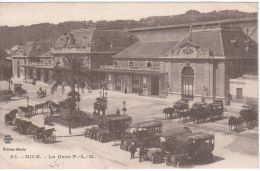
(187, 82)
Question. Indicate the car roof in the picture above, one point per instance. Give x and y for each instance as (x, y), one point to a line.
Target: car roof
(120, 118)
(146, 124)
(196, 136)
(176, 131)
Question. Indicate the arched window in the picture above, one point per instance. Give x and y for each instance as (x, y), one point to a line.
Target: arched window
(187, 82)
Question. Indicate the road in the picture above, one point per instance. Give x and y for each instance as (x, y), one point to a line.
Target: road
(231, 150)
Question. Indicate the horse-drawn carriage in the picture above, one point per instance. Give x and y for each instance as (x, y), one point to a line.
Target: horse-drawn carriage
(22, 125)
(179, 107)
(194, 148)
(44, 135)
(167, 141)
(10, 117)
(249, 115)
(144, 134)
(109, 127)
(201, 112)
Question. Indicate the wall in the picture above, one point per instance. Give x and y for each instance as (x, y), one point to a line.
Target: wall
(249, 89)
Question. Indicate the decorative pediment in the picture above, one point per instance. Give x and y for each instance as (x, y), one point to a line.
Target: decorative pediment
(69, 41)
(188, 48)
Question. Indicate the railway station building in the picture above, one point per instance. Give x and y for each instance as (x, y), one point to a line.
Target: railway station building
(201, 63)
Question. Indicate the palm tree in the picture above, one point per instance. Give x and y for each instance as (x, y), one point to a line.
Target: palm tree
(74, 74)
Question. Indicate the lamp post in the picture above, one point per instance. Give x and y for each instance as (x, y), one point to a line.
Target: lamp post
(102, 93)
(27, 99)
(124, 108)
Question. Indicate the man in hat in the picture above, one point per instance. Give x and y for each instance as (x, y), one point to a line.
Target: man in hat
(132, 149)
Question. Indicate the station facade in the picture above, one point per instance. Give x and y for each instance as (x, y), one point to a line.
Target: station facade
(199, 64)
(172, 62)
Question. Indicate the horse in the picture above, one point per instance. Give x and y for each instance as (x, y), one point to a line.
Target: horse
(168, 111)
(235, 123)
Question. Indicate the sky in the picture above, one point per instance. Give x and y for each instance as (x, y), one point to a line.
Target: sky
(14, 14)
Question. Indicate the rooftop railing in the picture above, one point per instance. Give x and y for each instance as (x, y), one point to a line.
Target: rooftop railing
(120, 67)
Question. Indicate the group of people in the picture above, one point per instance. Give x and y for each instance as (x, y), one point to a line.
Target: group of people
(133, 149)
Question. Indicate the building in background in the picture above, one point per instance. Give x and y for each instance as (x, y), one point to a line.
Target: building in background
(201, 63)
(30, 60)
(96, 47)
(244, 89)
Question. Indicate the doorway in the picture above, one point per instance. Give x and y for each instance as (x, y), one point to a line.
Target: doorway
(187, 82)
(155, 85)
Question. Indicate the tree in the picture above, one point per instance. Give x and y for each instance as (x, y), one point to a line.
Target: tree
(74, 74)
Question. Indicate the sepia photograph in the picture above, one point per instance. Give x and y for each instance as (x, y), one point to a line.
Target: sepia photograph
(129, 85)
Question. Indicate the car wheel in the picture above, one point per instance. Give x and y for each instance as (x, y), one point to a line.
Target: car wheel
(156, 159)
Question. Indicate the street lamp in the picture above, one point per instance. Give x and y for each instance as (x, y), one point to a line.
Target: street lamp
(103, 93)
(124, 108)
(27, 99)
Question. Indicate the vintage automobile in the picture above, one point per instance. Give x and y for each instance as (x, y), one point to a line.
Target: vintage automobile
(195, 148)
(44, 135)
(90, 131)
(167, 140)
(110, 127)
(144, 134)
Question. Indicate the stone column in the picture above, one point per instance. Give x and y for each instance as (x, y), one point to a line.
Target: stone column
(42, 75)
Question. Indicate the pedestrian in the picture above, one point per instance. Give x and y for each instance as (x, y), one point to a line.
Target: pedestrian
(132, 149)
(141, 153)
(118, 111)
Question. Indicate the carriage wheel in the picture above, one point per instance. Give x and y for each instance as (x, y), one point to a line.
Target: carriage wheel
(210, 158)
(125, 145)
(53, 138)
(86, 134)
(145, 157)
(102, 139)
(156, 159)
(172, 161)
(35, 138)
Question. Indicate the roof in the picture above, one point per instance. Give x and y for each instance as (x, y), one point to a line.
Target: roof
(146, 124)
(46, 55)
(226, 21)
(120, 118)
(196, 136)
(203, 43)
(31, 49)
(248, 76)
(221, 41)
(146, 49)
(96, 40)
(176, 131)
